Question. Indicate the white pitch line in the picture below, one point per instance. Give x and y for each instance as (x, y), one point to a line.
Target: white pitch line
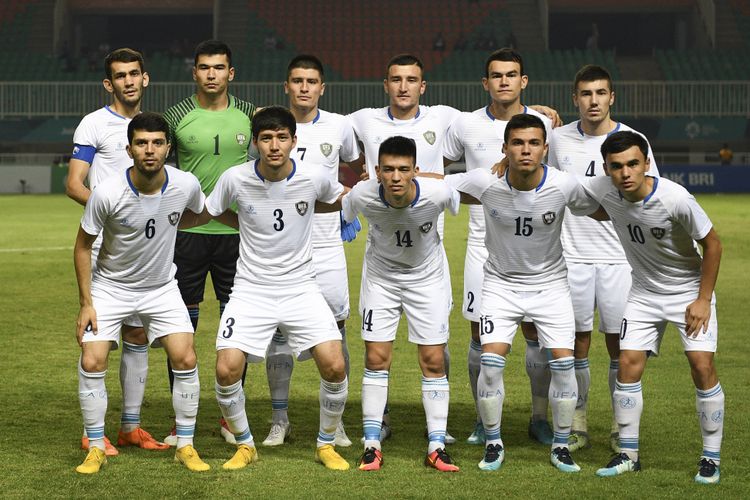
(33, 249)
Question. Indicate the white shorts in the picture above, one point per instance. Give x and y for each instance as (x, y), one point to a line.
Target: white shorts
(599, 286)
(426, 306)
(162, 312)
(551, 311)
(253, 314)
(476, 256)
(647, 314)
(330, 271)
(132, 320)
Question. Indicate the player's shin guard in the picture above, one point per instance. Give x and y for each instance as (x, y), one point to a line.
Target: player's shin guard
(133, 373)
(92, 394)
(709, 405)
(332, 402)
(279, 367)
(563, 395)
(490, 395)
(435, 399)
(537, 369)
(474, 360)
(185, 399)
(628, 403)
(374, 396)
(231, 401)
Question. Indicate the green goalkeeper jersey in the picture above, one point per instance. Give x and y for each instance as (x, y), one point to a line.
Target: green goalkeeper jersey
(207, 143)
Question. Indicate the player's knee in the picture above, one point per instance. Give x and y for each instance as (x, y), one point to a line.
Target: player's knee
(227, 374)
(183, 360)
(433, 363)
(334, 370)
(91, 363)
(134, 335)
(704, 372)
(375, 360)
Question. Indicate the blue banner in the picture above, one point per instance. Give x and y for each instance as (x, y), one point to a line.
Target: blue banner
(709, 178)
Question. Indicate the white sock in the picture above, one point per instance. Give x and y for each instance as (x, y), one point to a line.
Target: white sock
(710, 408)
(475, 355)
(279, 367)
(374, 396)
(92, 394)
(185, 399)
(537, 369)
(133, 373)
(563, 396)
(628, 409)
(435, 399)
(231, 401)
(332, 399)
(345, 349)
(491, 394)
(583, 380)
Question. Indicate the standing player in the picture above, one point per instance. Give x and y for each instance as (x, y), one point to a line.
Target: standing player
(598, 271)
(525, 268)
(275, 285)
(99, 153)
(478, 136)
(137, 212)
(323, 139)
(658, 223)
(210, 132)
(403, 272)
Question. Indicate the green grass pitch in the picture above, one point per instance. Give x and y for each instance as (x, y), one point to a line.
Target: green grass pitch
(40, 421)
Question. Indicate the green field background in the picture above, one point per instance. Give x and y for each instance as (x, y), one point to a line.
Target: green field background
(40, 421)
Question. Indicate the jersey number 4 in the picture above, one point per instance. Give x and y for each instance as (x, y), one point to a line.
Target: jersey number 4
(403, 240)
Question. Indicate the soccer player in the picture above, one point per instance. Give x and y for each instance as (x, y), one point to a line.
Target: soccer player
(403, 272)
(323, 139)
(275, 284)
(99, 152)
(525, 276)
(137, 212)
(658, 223)
(210, 132)
(478, 136)
(598, 271)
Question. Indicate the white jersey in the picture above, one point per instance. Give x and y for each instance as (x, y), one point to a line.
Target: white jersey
(100, 140)
(139, 230)
(584, 239)
(523, 227)
(325, 141)
(428, 129)
(479, 137)
(657, 234)
(405, 246)
(275, 221)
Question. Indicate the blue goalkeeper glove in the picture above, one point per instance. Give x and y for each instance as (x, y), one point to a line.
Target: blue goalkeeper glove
(349, 230)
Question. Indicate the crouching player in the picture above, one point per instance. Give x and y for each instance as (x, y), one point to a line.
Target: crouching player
(658, 223)
(138, 213)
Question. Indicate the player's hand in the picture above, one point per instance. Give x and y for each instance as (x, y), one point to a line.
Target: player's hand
(697, 315)
(500, 167)
(364, 175)
(549, 113)
(349, 230)
(86, 322)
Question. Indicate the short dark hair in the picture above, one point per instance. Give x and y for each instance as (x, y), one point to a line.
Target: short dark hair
(124, 55)
(398, 146)
(212, 48)
(524, 120)
(404, 60)
(305, 61)
(591, 73)
(505, 54)
(148, 121)
(273, 118)
(622, 141)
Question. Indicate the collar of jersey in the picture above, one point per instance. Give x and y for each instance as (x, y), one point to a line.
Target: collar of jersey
(381, 193)
(230, 102)
(289, 177)
(544, 178)
(650, 195)
(391, 117)
(580, 130)
(492, 117)
(133, 188)
(116, 114)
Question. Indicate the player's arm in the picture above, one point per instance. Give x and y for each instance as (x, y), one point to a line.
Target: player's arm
(600, 214)
(324, 208)
(549, 113)
(698, 312)
(358, 166)
(75, 183)
(191, 219)
(82, 261)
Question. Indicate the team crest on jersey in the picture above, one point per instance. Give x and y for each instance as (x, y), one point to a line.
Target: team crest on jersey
(301, 207)
(241, 139)
(174, 218)
(326, 149)
(429, 136)
(425, 228)
(658, 232)
(548, 218)
(192, 139)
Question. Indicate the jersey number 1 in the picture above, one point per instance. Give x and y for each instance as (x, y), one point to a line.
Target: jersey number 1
(216, 145)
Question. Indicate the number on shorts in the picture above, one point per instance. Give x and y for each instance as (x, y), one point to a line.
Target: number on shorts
(523, 228)
(486, 326)
(150, 228)
(470, 306)
(403, 241)
(623, 328)
(590, 170)
(279, 224)
(636, 233)
(228, 331)
(367, 320)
